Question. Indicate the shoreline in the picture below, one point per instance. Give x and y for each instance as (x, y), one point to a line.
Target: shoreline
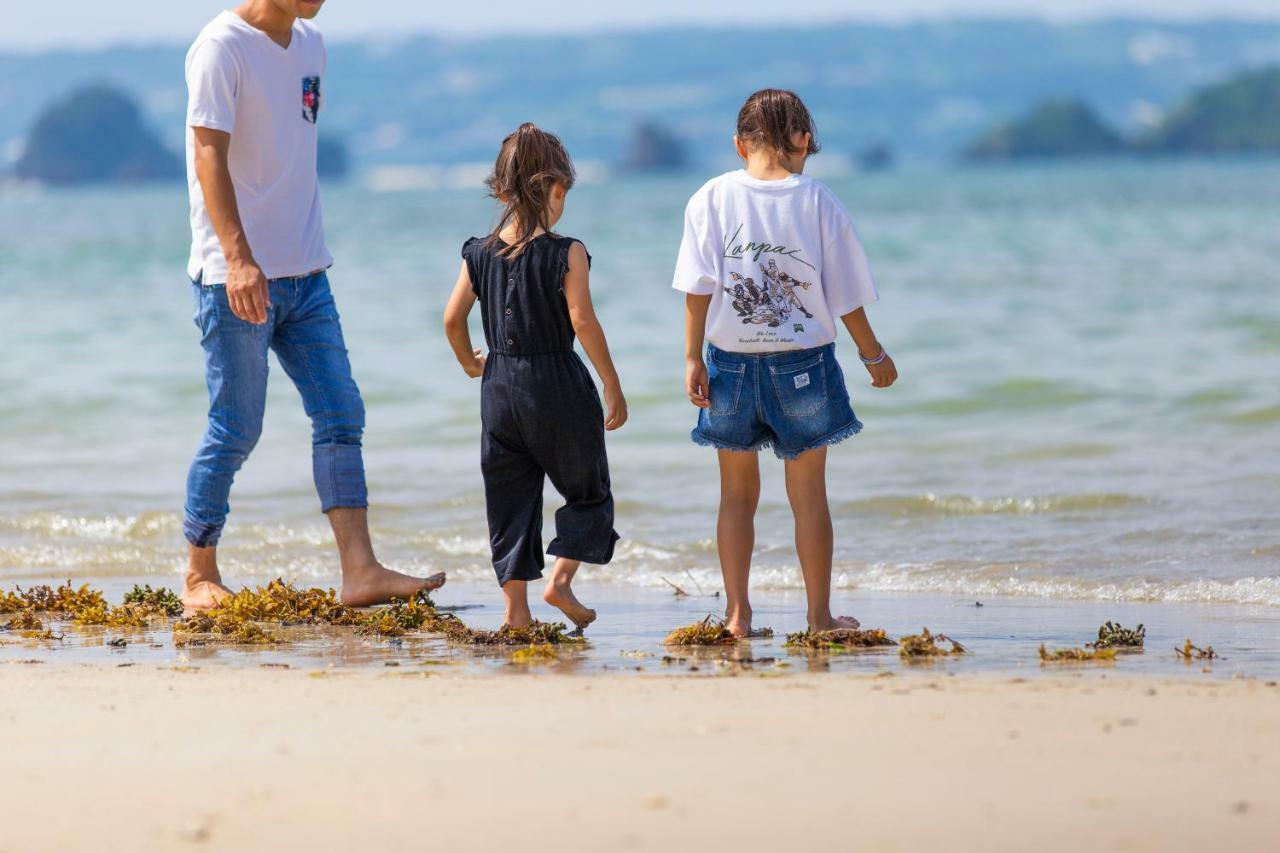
(161, 758)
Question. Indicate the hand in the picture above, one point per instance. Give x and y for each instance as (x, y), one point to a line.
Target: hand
(883, 374)
(476, 368)
(696, 384)
(248, 293)
(615, 406)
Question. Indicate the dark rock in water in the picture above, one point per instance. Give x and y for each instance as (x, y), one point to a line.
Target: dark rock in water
(1053, 129)
(877, 157)
(95, 135)
(333, 160)
(1240, 116)
(653, 148)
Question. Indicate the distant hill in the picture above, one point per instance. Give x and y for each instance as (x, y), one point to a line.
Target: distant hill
(1057, 128)
(925, 89)
(1240, 116)
(96, 134)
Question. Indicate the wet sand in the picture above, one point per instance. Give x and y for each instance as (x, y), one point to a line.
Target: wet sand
(148, 757)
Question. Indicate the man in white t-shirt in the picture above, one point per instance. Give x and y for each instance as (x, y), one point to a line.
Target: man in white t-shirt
(258, 268)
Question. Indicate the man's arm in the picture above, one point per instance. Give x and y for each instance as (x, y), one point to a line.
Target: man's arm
(695, 332)
(247, 290)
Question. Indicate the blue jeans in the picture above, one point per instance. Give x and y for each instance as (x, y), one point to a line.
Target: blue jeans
(794, 401)
(303, 329)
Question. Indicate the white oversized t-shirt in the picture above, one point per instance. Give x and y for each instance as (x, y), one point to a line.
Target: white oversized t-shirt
(780, 259)
(268, 98)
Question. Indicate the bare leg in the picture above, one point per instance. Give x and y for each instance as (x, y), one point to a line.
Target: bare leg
(517, 595)
(559, 593)
(202, 587)
(736, 533)
(365, 581)
(807, 491)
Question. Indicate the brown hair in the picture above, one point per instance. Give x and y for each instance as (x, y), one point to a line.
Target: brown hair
(769, 119)
(530, 162)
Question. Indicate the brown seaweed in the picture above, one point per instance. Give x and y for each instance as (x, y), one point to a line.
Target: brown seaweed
(537, 634)
(925, 645)
(1075, 655)
(64, 600)
(1190, 652)
(1113, 636)
(536, 654)
(26, 620)
(839, 640)
(709, 632)
(160, 601)
(403, 617)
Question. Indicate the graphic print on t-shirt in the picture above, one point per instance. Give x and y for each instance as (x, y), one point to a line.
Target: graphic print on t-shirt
(311, 98)
(771, 302)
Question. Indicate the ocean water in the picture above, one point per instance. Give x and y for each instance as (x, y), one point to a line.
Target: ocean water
(1088, 409)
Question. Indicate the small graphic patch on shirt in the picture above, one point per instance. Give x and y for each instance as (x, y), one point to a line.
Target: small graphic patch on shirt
(802, 381)
(311, 98)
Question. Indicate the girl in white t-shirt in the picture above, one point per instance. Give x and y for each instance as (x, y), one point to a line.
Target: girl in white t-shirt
(771, 264)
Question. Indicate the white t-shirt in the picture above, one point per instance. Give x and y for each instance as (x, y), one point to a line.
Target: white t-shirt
(780, 259)
(268, 98)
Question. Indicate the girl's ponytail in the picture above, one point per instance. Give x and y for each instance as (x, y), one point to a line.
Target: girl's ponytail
(530, 163)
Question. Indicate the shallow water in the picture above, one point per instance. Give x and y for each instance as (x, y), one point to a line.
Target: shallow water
(1088, 410)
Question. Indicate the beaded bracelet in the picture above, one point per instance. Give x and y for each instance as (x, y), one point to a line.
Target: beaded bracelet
(881, 357)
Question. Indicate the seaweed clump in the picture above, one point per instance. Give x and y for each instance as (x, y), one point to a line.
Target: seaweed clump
(160, 601)
(839, 640)
(709, 632)
(535, 654)
(26, 620)
(1075, 655)
(64, 600)
(1190, 652)
(288, 605)
(403, 617)
(925, 645)
(537, 634)
(1113, 636)
(220, 626)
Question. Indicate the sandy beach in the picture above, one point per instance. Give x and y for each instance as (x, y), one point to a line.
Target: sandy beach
(163, 758)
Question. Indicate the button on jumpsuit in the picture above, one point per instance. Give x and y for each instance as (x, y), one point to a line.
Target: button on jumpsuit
(540, 413)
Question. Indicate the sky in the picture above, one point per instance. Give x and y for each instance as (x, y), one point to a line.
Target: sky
(31, 25)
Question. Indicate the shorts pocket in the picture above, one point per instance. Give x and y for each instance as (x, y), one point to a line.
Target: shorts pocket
(725, 386)
(801, 387)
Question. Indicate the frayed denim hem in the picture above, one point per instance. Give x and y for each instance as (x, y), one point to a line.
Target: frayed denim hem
(201, 535)
(697, 438)
(827, 440)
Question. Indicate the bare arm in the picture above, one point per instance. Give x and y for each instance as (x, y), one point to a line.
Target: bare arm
(577, 293)
(883, 374)
(456, 330)
(695, 332)
(247, 290)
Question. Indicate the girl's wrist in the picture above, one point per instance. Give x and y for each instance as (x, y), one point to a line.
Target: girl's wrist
(880, 355)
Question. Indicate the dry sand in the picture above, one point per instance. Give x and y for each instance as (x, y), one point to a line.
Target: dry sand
(215, 758)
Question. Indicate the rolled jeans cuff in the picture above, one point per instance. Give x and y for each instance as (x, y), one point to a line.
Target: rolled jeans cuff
(200, 534)
(339, 475)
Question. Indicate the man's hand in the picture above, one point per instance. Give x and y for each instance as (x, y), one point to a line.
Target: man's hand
(476, 368)
(248, 292)
(615, 407)
(696, 384)
(883, 374)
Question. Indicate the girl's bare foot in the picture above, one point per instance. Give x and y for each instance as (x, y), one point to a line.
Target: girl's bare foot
(202, 595)
(739, 623)
(561, 597)
(836, 623)
(376, 584)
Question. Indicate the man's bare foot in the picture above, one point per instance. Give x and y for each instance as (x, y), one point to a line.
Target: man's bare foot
(561, 597)
(378, 585)
(202, 595)
(837, 623)
(517, 622)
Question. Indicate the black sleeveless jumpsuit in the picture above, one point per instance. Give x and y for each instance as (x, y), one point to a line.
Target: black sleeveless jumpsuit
(540, 413)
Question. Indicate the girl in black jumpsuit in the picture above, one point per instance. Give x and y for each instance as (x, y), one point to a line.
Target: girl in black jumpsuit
(540, 412)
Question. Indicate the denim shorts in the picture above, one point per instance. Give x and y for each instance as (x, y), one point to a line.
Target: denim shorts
(792, 401)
